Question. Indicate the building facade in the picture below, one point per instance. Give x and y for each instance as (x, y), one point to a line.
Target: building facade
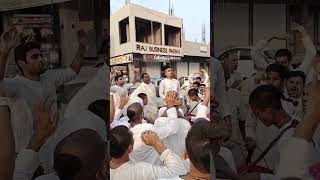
(144, 40)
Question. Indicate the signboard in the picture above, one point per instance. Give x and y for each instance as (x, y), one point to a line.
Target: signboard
(127, 58)
(159, 58)
(158, 50)
(26, 20)
(8, 5)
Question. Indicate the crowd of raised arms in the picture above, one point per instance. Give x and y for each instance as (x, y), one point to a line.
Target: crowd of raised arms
(216, 125)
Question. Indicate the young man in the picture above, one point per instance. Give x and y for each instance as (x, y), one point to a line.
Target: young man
(121, 87)
(306, 162)
(122, 143)
(168, 84)
(35, 82)
(194, 104)
(294, 88)
(265, 102)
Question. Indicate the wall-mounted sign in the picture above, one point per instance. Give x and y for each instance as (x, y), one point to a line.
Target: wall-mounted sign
(127, 58)
(159, 58)
(159, 50)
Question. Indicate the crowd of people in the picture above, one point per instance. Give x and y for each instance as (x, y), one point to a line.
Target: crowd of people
(39, 138)
(216, 125)
(259, 127)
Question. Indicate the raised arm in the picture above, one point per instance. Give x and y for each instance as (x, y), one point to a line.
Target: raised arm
(82, 42)
(7, 43)
(310, 50)
(258, 57)
(172, 163)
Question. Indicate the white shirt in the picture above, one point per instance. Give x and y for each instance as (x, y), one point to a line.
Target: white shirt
(143, 152)
(94, 90)
(173, 166)
(26, 164)
(218, 87)
(34, 91)
(121, 90)
(149, 90)
(296, 157)
(168, 85)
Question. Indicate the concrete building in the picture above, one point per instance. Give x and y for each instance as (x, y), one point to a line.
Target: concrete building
(145, 40)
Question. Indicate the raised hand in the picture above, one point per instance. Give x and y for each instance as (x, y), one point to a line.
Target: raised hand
(296, 27)
(8, 40)
(44, 125)
(150, 138)
(170, 99)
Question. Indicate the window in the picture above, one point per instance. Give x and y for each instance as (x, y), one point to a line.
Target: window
(124, 30)
(172, 36)
(143, 30)
(156, 33)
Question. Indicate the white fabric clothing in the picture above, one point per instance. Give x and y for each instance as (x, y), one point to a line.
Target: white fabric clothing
(168, 85)
(273, 157)
(149, 90)
(34, 91)
(26, 164)
(218, 87)
(163, 109)
(52, 176)
(142, 152)
(121, 90)
(175, 142)
(21, 121)
(173, 166)
(226, 154)
(203, 112)
(296, 157)
(94, 90)
(85, 120)
(234, 81)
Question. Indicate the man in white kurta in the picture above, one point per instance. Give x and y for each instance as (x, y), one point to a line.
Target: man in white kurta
(169, 84)
(150, 90)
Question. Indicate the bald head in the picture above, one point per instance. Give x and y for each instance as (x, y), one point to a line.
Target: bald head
(135, 112)
(80, 155)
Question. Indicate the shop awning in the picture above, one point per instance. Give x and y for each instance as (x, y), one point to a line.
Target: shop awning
(8, 5)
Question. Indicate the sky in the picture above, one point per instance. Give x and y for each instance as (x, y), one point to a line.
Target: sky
(194, 14)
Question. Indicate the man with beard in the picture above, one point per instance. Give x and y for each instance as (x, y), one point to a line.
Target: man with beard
(294, 87)
(34, 82)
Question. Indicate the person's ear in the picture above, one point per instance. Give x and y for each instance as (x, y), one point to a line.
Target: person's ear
(21, 63)
(130, 148)
(185, 155)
